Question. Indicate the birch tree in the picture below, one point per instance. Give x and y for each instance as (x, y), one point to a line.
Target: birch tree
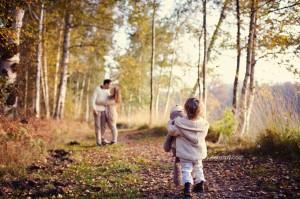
(62, 89)
(205, 54)
(87, 105)
(152, 61)
(57, 66)
(246, 94)
(172, 67)
(81, 97)
(238, 58)
(39, 63)
(45, 82)
(9, 60)
(213, 39)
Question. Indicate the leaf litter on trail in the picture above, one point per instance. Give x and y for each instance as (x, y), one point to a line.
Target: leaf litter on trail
(135, 171)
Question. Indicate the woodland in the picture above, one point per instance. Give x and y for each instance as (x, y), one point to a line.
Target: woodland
(54, 53)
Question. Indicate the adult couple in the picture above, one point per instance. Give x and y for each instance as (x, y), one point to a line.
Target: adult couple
(104, 101)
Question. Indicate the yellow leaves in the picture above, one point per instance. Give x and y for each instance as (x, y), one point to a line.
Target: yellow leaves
(271, 41)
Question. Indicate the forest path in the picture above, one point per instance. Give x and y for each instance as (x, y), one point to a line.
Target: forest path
(138, 167)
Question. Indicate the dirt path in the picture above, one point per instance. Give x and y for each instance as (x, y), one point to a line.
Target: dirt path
(138, 168)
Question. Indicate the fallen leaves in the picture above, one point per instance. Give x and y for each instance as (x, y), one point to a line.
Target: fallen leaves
(140, 169)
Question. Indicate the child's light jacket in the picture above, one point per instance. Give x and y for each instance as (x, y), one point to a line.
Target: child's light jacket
(190, 138)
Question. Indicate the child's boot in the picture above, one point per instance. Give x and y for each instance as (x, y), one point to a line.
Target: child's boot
(199, 187)
(187, 190)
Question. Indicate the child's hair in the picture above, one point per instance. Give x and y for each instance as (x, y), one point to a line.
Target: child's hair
(193, 108)
(116, 94)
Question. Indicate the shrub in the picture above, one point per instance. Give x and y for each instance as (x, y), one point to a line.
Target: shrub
(18, 146)
(223, 127)
(213, 135)
(284, 142)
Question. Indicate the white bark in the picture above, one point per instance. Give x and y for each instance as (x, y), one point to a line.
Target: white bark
(157, 94)
(157, 104)
(57, 66)
(171, 70)
(252, 82)
(46, 96)
(238, 59)
(76, 98)
(37, 109)
(81, 98)
(249, 112)
(198, 83)
(59, 109)
(152, 62)
(169, 85)
(42, 82)
(9, 63)
(245, 96)
(87, 106)
(26, 92)
(204, 94)
(214, 37)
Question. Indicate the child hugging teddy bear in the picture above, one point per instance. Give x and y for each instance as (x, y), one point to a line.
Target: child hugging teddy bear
(190, 132)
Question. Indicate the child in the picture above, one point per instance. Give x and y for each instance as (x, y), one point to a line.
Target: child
(190, 132)
(169, 144)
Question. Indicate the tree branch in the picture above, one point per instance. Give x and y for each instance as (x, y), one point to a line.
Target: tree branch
(285, 7)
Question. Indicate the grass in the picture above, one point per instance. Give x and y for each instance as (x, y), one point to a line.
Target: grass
(21, 144)
(114, 174)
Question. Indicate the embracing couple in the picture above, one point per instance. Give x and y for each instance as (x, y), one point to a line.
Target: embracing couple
(104, 101)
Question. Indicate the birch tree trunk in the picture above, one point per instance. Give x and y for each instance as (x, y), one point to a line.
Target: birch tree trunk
(172, 67)
(238, 59)
(45, 71)
(59, 109)
(199, 67)
(252, 82)
(157, 104)
(216, 32)
(26, 92)
(249, 60)
(46, 86)
(214, 38)
(170, 80)
(42, 82)
(198, 83)
(204, 57)
(57, 66)
(152, 61)
(37, 109)
(87, 106)
(8, 64)
(157, 94)
(76, 98)
(81, 97)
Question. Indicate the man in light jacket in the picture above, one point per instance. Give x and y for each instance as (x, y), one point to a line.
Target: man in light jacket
(99, 103)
